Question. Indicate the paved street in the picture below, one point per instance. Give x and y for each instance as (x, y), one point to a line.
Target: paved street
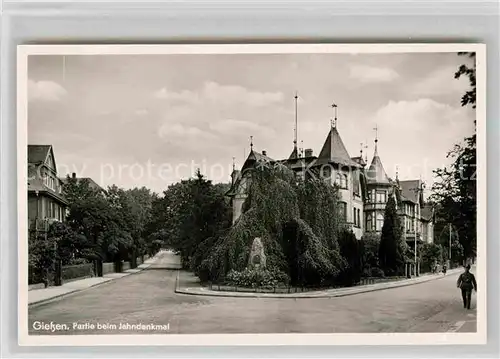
(148, 298)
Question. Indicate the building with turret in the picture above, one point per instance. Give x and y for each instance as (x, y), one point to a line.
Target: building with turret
(363, 192)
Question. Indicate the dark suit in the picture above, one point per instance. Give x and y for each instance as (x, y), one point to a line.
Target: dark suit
(467, 282)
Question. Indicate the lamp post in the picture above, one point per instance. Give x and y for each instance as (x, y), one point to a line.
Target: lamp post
(449, 244)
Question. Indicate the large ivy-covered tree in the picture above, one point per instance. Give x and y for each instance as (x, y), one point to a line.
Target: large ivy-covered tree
(391, 249)
(454, 190)
(297, 222)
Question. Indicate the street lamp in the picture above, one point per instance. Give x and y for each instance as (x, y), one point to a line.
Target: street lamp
(449, 243)
(415, 254)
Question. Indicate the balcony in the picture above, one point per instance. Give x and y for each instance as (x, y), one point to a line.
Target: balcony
(41, 225)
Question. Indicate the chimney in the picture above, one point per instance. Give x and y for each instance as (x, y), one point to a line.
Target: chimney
(73, 175)
(264, 153)
(308, 152)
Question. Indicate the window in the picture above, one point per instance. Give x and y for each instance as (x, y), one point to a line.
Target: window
(380, 222)
(381, 197)
(359, 218)
(343, 181)
(354, 216)
(343, 210)
(327, 171)
(369, 222)
(337, 179)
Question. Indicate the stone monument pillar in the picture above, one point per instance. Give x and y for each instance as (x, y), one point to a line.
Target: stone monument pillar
(257, 257)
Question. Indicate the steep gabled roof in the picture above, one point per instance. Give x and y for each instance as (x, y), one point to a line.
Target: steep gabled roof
(38, 153)
(294, 155)
(334, 151)
(255, 157)
(92, 184)
(376, 173)
(411, 190)
(359, 160)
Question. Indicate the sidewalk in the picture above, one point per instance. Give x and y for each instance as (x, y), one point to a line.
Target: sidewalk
(45, 295)
(194, 288)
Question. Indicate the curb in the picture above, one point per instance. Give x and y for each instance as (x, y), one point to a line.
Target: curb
(211, 293)
(64, 295)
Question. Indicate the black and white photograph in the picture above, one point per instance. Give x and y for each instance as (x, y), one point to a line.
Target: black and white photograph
(173, 191)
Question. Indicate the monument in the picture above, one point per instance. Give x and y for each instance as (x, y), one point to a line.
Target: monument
(257, 258)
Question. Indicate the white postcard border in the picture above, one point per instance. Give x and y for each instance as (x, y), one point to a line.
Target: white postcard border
(24, 339)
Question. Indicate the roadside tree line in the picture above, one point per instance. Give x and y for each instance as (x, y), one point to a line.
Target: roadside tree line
(101, 226)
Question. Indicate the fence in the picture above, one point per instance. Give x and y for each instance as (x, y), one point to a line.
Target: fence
(224, 287)
(74, 272)
(78, 271)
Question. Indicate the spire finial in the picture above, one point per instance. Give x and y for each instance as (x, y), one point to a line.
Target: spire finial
(334, 123)
(376, 137)
(234, 166)
(251, 143)
(366, 155)
(361, 149)
(397, 173)
(296, 122)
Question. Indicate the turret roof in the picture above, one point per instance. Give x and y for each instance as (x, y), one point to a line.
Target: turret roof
(334, 151)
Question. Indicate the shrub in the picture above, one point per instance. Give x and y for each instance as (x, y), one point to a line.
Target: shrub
(351, 251)
(256, 277)
(377, 272)
(77, 271)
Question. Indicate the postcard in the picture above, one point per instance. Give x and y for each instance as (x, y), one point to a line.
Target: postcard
(252, 194)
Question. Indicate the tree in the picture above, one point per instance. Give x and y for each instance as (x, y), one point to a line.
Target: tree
(391, 255)
(189, 213)
(430, 254)
(297, 222)
(351, 251)
(455, 252)
(454, 190)
(370, 251)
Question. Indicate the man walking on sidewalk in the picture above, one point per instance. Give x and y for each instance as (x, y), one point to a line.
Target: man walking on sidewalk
(467, 282)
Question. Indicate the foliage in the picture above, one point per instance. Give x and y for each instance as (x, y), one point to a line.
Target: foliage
(60, 242)
(377, 272)
(256, 277)
(111, 222)
(77, 271)
(454, 191)
(189, 213)
(369, 253)
(391, 249)
(469, 98)
(296, 222)
(352, 251)
(41, 254)
(430, 255)
(456, 253)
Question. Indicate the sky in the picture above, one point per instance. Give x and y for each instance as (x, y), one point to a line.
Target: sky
(151, 120)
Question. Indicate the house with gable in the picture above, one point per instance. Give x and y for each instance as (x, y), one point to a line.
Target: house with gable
(46, 202)
(363, 192)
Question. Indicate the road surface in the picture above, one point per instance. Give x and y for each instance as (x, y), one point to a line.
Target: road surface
(148, 299)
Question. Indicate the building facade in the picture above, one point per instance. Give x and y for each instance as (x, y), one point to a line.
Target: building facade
(46, 202)
(363, 192)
